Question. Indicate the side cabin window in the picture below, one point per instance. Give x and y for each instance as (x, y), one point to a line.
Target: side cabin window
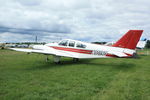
(64, 43)
(71, 44)
(80, 45)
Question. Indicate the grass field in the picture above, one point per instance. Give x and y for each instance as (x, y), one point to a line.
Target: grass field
(29, 77)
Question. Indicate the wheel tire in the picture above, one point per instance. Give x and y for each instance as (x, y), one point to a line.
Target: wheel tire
(135, 55)
(75, 59)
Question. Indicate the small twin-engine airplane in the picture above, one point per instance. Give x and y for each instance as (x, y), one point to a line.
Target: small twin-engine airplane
(124, 48)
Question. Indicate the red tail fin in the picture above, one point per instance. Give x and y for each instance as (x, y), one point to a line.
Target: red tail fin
(129, 40)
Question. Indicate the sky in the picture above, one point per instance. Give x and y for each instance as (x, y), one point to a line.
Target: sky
(85, 20)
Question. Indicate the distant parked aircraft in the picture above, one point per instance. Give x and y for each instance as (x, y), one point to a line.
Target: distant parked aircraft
(141, 44)
(124, 47)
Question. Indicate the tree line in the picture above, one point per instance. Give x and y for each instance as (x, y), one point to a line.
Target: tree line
(148, 44)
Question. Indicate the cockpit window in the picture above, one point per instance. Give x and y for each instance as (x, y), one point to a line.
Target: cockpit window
(63, 43)
(79, 45)
(71, 44)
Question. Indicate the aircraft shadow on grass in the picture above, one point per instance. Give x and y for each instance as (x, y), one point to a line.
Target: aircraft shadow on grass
(116, 65)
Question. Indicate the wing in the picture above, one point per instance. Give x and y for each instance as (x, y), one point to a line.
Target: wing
(40, 51)
(46, 50)
(22, 50)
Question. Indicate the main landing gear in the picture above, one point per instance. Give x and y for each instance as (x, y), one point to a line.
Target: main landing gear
(57, 59)
(75, 59)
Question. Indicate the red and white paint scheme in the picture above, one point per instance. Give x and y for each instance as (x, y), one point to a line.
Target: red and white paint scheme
(124, 47)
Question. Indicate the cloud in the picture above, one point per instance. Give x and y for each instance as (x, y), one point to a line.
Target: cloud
(54, 29)
(88, 20)
(11, 37)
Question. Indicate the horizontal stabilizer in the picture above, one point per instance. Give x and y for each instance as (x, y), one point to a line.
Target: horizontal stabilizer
(118, 54)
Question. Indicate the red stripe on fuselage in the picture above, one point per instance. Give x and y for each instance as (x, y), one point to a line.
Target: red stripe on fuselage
(73, 50)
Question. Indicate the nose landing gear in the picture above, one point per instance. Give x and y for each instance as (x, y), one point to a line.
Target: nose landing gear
(46, 59)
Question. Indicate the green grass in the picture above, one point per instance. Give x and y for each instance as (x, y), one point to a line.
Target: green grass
(29, 77)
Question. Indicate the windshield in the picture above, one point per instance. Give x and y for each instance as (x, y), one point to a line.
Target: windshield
(64, 43)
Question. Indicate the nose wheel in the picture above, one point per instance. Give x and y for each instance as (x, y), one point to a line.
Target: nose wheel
(46, 59)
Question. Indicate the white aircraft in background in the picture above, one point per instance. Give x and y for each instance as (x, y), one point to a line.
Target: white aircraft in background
(141, 44)
(124, 47)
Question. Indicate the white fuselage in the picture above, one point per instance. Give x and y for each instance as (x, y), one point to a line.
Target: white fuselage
(78, 49)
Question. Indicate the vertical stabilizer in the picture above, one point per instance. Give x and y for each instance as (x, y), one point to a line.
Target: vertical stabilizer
(129, 40)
